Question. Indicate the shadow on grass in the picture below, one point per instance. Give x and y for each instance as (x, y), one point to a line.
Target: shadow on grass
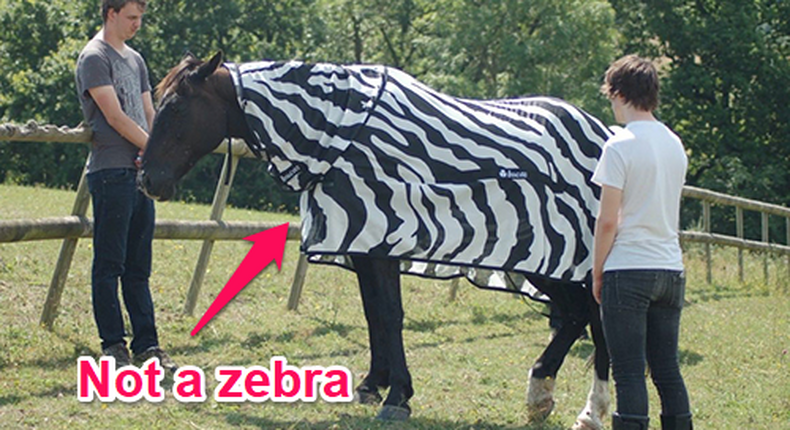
(689, 358)
(345, 352)
(326, 327)
(256, 339)
(479, 317)
(583, 349)
(347, 422)
(10, 400)
(65, 391)
(491, 336)
(59, 361)
(206, 345)
(717, 292)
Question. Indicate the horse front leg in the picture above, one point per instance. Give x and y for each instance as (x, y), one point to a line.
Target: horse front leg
(379, 282)
(596, 411)
(379, 371)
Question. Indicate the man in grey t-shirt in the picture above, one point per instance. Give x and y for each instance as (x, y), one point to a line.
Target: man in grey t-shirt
(115, 95)
(100, 65)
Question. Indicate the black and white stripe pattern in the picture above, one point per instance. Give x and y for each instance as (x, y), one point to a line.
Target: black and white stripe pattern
(392, 168)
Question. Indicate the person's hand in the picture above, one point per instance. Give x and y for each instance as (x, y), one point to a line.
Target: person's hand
(138, 162)
(597, 287)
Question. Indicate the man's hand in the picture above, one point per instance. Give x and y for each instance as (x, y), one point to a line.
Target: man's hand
(138, 162)
(107, 100)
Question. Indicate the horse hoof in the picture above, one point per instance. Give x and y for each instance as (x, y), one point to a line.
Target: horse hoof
(393, 413)
(367, 397)
(596, 409)
(587, 422)
(540, 398)
(540, 411)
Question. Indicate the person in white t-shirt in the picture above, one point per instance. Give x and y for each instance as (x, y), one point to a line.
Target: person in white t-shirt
(638, 275)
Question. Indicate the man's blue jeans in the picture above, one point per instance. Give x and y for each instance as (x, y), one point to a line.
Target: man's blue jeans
(122, 234)
(641, 320)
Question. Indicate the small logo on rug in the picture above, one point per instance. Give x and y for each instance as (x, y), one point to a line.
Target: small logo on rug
(512, 174)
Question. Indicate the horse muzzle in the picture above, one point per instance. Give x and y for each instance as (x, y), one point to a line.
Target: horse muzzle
(155, 188)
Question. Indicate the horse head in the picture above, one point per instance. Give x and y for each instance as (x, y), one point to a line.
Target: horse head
(197, 110)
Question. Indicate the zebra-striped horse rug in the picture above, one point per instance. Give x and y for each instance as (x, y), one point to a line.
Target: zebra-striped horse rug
(492, 190)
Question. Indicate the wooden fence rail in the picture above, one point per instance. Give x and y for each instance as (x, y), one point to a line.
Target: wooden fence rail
(72, 228)
(33, 132)
(708, 238)
(80, 227)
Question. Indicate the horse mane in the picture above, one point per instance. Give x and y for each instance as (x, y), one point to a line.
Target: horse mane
(176, 76)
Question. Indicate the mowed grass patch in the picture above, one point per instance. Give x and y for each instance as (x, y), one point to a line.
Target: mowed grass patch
(469, 358)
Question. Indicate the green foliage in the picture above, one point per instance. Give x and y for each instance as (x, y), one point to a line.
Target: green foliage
(38, 52)
(497, 49)
(725, 88)
(467, 48)
(725, 67)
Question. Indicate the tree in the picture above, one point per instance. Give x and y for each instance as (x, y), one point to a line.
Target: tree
(369, 31)
(481, 48)
(470, 48)
(726, 68)
(37, 58)
(492, 49)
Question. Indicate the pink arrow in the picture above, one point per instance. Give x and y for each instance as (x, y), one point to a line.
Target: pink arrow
(267, 245)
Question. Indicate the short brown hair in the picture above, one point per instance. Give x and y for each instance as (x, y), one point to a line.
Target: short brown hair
(117, 5)
(635, 79)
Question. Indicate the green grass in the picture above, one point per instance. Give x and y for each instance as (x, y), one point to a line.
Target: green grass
(469, 358)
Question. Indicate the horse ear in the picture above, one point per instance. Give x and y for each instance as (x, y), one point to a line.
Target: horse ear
(206, 69)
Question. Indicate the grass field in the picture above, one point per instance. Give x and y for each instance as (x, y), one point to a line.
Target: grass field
(469, 358)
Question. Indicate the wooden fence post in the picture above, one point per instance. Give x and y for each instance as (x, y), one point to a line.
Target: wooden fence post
(296, 287)
(739, 230)
(67, 249)
(706, 227)
(765, 238)
(217, 208)
(454, 289)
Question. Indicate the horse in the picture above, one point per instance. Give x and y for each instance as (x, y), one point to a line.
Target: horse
(320, 126)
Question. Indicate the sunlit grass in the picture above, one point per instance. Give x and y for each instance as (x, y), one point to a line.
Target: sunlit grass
(469, 358)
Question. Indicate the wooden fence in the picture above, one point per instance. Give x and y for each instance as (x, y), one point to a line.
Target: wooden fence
(76, 226)
(72, 228)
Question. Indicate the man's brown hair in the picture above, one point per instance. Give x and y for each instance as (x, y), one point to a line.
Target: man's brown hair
(635, 79)
(117, 5)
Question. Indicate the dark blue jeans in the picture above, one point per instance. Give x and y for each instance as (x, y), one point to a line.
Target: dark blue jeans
(641, 319)
(122, 234)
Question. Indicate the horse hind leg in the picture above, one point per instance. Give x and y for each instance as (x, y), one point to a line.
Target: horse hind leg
(597, 408)
(569, 300)
(542, 375)
(596, 411)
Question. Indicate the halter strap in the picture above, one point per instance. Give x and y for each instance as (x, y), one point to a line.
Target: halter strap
(238, 85)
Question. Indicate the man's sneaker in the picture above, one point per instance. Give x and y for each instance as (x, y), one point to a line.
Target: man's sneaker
(120, 353)
(157, 352)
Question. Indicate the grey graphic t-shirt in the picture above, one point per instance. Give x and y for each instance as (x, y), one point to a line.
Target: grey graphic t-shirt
(99, 64)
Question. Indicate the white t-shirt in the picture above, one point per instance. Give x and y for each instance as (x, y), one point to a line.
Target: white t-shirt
(645, 160)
